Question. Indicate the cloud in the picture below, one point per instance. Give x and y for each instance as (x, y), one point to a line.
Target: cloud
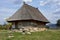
(4, 9)
(21, 1)
(58, 9)
(18, 1)
(7, 1)
(27, 0)
(9, 7)
(57, 13)
(52, 7)
(43, 3)
(6, 12)
(59, 3)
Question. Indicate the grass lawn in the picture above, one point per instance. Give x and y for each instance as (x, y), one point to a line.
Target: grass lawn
(44, 35)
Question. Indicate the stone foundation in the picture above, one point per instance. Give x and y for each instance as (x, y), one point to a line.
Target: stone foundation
(31, 29)
(34, 29)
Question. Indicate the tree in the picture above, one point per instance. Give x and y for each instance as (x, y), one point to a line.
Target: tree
(58, 22)
(8, 26)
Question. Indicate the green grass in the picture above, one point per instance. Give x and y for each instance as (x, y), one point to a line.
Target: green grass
(44, 35)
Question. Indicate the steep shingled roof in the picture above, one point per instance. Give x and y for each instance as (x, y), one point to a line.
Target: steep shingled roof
(27, 12)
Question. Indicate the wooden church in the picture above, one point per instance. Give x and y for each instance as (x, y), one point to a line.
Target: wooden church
(27, 16)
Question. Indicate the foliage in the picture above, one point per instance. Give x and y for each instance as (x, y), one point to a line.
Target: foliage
(47, 27)
(5, 26)
(58, 22)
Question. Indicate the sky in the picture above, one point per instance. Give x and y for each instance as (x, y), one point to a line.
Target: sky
(49, 8)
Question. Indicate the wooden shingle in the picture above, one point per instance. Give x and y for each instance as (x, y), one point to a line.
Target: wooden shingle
(27, 12)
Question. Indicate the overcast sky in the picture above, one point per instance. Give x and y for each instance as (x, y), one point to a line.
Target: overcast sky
(49, 8)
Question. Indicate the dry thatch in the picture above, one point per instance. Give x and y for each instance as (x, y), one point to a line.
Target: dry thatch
(28, 12)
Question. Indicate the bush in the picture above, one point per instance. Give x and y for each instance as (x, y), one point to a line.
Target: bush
(58, 23)
(47, 27)
(5, 26)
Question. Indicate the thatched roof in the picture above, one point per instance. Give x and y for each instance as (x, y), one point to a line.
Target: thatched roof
(27, 12)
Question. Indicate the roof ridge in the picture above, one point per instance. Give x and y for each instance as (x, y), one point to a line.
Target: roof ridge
(30, 6)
